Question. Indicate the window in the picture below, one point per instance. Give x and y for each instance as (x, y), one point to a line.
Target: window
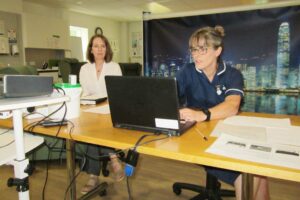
(81, 32)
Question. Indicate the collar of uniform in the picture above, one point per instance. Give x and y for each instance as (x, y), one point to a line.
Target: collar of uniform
(198, 70)
(221, 68)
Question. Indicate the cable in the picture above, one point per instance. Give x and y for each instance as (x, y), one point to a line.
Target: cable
(46, 179)
(131, 162)
(74, 178)
(157, 139)
(6, 131)
(7, 144)
(128, 188)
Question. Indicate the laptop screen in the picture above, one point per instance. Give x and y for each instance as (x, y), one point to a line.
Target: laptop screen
(143, 102)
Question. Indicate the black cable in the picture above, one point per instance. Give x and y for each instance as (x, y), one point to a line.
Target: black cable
(6, 131)
(139, 140)
(46, 179)
(134, 149)
(7, 144)
(157, 139)
(128, 188)
(74, 178)
(31, 127)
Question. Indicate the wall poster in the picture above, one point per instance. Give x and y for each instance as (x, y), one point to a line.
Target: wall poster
(136, 44)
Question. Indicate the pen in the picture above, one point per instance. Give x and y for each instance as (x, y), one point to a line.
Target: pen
(203, 136)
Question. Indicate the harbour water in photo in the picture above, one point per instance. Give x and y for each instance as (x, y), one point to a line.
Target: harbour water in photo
(272, 103)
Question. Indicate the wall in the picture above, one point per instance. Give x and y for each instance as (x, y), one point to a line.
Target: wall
(15, 6)
(111, 29)
(119, 32)
(12, 21)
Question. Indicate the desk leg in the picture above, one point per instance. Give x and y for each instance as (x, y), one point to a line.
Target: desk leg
(247, 186)
(70, 145)
(21, 162)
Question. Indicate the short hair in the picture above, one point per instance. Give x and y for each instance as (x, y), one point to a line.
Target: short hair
(213, 36)
(108, 54)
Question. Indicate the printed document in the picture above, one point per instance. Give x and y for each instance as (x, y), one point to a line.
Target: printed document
(259, 129)
(267, 153)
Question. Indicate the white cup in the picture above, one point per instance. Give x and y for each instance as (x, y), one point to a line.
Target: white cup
(72, 79)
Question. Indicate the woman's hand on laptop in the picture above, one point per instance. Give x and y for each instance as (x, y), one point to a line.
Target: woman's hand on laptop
(188, 114)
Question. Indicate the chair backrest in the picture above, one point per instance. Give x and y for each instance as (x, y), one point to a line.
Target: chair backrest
(53, 62)
(65, 68)
(131, 69)
(75, 69)
(23, 70)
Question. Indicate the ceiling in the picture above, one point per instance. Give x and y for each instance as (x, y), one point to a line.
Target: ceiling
(130, 10)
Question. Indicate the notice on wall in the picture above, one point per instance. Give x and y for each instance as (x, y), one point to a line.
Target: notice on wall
(136, 44)
(1, 27)
(12, 36)
(114, 44)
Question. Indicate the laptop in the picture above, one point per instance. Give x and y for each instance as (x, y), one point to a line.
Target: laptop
(145, 104)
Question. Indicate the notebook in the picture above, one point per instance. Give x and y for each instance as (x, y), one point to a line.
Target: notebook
(146, 104)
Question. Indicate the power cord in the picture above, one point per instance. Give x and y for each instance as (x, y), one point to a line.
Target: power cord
(9, 143)
(132, 159)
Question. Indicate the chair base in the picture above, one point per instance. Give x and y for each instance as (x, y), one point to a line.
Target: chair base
(212, 191)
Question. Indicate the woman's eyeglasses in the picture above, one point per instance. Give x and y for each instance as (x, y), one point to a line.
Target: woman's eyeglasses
(199, 50)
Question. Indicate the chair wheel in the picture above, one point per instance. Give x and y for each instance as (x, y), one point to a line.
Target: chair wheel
(105, 173)
(176, 190)
(103, 193)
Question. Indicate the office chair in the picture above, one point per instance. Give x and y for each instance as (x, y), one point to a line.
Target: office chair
(131, 69)
(212, 191)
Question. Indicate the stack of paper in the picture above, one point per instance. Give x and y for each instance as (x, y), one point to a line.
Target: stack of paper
(263, 140)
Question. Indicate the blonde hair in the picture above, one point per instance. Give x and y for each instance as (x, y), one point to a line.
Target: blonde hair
(213, 36)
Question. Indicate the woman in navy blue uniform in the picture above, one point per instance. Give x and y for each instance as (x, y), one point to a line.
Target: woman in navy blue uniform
(208, 89)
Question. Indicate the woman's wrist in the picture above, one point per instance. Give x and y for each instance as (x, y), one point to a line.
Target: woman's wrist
(201, 116)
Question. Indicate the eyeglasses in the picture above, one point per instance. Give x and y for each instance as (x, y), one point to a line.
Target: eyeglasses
(99, 46)
(199, 50)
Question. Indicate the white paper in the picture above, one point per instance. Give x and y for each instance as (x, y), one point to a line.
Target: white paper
(99, 109)
(258, 121)
(287, 136)
(166, 123)
(246, 132)
(267, 153)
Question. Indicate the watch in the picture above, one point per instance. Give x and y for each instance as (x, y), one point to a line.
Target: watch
(207, 113)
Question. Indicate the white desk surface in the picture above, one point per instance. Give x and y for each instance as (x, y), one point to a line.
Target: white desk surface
(7, 104)
(8, 153)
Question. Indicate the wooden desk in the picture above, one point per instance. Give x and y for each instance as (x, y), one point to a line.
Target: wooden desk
(190, 147)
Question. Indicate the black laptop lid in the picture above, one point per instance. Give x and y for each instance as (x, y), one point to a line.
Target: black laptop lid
(143, 101)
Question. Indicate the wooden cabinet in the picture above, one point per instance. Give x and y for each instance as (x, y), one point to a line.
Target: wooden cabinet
(43, 32)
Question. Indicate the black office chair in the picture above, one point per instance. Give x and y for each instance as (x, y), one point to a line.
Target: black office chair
(131, 69)
(212, 191)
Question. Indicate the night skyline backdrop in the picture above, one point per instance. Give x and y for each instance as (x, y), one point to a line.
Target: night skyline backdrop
(250, 36)
(251, 44)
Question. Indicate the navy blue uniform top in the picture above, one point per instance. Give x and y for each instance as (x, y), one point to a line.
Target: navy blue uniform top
(196, 91)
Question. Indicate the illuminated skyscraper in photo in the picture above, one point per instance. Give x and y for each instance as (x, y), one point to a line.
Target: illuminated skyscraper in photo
(283, 56)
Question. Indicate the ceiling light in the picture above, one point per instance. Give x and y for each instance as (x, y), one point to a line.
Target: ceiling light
(158, 8)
